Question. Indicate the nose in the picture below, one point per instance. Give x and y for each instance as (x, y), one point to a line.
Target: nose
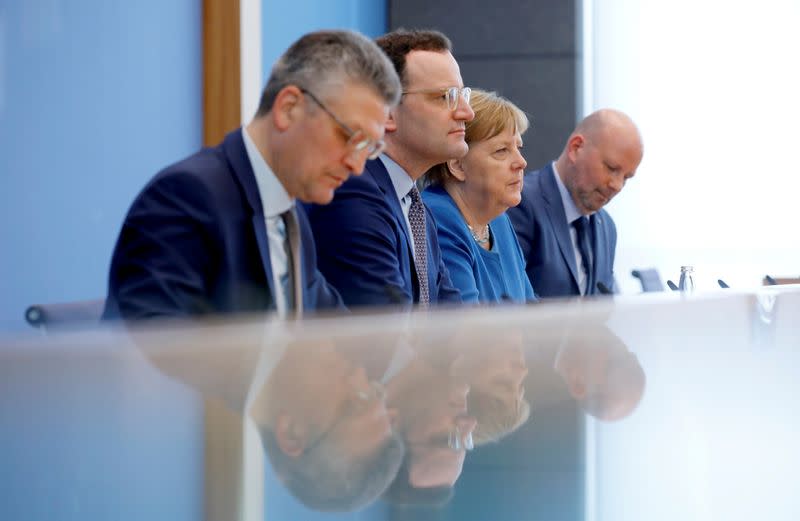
(458, 396)
(463, 110)
(616, 183)
(354, 162)
(520, 163)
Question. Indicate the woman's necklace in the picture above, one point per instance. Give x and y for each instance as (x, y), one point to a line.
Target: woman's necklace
(482, 236)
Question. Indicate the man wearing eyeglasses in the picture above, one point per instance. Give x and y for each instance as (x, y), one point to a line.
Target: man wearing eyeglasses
(377, 242)
(218, 232)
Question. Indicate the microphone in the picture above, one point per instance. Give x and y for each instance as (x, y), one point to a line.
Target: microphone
(672, 285)
(770, 281)
(722, 284)
(603, 289)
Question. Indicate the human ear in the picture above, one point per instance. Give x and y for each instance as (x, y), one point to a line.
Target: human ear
(391, 122)
(286, 107)
(456, 168)
(290, 435)
(577, 387)
(575, 143)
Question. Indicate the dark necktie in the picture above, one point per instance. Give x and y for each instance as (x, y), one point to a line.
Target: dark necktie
(416, 217)
(294, 288)
(583, 227)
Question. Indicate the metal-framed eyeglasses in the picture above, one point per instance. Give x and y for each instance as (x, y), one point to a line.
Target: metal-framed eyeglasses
(357, 402)
(357, 142)
(450, 94)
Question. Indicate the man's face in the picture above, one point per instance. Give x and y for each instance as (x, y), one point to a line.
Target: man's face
(602, 164)
(327, 392)
(322, 159)
(493, 170)
(427, 130)
(428, 414)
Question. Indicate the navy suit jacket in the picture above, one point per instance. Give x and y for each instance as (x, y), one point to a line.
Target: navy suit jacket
(195, 242)
(544, 236)
(364, 245)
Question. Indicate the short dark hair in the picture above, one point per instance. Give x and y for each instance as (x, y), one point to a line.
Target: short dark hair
(323, 59)
(397, 44)
(323, 480)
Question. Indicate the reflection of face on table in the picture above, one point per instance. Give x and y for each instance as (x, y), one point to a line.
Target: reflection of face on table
(326, 429)
(600, 372)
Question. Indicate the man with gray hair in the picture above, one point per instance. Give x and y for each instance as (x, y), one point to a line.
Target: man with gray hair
(219, 231)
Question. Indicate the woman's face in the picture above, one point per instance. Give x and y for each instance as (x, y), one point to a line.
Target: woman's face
(493, 170)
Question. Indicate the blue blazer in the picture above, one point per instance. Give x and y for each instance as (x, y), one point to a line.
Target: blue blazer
(480, 275)
(195, 242)
(364, 245)
(543, 233)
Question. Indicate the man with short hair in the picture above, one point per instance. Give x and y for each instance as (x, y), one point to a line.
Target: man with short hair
(218, 232)
(326, 429)
(568, 240)
(377, 242)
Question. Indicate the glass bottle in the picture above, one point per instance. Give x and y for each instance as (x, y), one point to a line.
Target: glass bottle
(686, 284)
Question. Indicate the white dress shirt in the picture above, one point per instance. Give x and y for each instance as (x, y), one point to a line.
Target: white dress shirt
(275, 201)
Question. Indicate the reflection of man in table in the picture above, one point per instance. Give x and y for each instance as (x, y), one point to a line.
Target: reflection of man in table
(325, 428)
(601, 374)
(433, 421)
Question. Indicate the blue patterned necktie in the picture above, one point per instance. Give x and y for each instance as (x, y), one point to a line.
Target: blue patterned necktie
(416, 217)
(583, 227)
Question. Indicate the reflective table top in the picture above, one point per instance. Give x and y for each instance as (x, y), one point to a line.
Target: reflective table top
(660, 406)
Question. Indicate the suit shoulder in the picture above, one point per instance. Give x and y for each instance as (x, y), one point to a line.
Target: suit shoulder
(441, 207)
(191, 185)
(606, 219)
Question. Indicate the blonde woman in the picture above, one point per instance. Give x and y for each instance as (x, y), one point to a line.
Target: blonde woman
(468, 198)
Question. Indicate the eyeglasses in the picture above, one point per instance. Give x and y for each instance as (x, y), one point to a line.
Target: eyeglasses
(357, 142)
(450, 94)
(357, 402)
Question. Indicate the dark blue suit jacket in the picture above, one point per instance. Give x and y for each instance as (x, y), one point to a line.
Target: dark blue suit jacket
(543, 233)
(195, 242)
(364, 245)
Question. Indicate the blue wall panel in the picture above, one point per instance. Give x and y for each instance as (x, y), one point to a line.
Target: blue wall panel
(280, 27)
(95, 97)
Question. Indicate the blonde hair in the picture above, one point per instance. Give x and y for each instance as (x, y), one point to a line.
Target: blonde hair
(493, 115)
(497, 416)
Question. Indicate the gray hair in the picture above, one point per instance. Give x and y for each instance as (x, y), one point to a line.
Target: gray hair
(322, 60)
(327, 479)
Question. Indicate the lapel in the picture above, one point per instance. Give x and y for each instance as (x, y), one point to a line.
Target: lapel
(236, 154)
(558, 218)
(379, 173)
(384, 182)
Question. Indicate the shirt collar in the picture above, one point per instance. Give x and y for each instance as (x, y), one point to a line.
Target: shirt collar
(570, 210)
(274, 198)
(401, 181)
